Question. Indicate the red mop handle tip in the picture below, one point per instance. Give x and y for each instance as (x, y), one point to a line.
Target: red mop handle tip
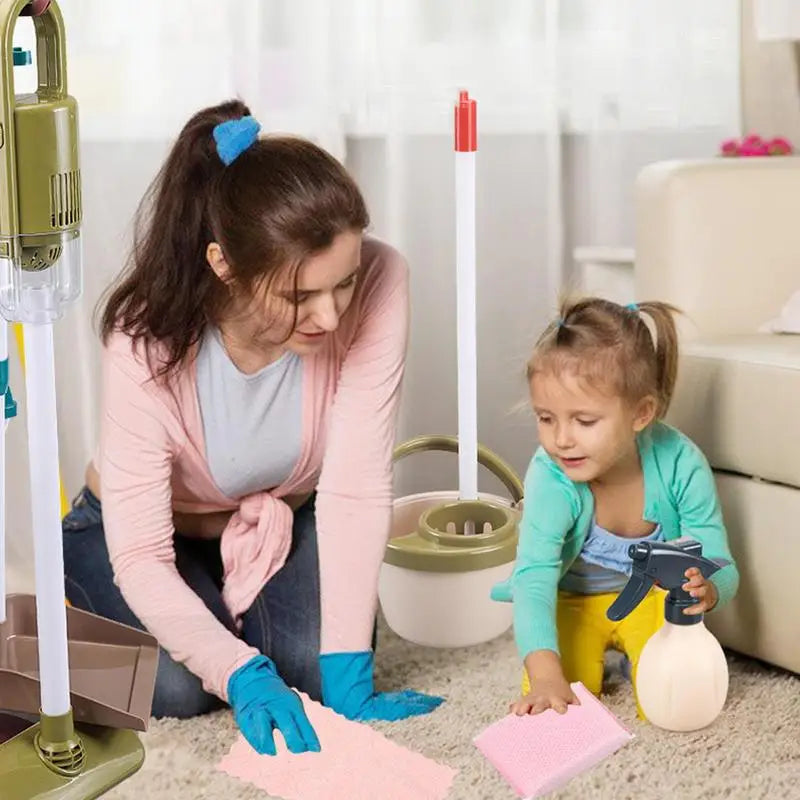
(466, 123)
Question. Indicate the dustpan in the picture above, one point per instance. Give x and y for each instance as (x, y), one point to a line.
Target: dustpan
(112, 667)
(90, 680)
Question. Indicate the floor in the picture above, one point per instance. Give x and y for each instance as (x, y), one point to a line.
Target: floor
(752, 751)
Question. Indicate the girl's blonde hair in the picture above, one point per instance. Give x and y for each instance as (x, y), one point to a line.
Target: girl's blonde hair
(612, 346)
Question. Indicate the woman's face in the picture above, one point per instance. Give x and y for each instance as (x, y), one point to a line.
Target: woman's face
(300, 318)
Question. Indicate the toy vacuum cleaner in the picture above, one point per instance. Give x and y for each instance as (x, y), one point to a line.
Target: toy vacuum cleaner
(89, 680)
(448, 548)
(682, 676)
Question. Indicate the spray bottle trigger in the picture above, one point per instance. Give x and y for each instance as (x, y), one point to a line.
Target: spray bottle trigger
(633, 593)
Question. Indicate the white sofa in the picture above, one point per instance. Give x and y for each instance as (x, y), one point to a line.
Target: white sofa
(721, 240)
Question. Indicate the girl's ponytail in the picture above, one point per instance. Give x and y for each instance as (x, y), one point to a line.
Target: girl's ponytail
(666, 349)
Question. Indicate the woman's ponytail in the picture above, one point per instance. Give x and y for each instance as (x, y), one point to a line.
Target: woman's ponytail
(168, 286)
(279, 201)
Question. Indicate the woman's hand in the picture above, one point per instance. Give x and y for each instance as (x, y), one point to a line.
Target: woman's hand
(555, 693)
(701, 588)
(347, 688)
(262, 703)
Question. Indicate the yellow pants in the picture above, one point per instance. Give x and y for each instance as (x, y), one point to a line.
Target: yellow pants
(585, 633)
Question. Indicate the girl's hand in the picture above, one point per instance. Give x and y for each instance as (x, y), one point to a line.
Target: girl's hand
(555, 693)
(704, 590)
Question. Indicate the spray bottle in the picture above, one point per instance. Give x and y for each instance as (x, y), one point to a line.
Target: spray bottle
(682, 676)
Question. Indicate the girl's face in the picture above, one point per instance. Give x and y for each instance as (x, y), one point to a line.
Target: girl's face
(589, 432)
(300, 317)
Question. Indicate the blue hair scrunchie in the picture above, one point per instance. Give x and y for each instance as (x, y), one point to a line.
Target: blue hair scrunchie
(632, 307)
(234, 136)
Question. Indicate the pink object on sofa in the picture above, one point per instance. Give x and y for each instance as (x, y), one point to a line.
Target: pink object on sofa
(540, 753)
(356, 762)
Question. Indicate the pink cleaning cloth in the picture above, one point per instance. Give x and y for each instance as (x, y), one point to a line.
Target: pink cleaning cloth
(539, 753)
(356, 762)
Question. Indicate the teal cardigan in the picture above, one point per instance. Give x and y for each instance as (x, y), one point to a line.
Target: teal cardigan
(679, 493)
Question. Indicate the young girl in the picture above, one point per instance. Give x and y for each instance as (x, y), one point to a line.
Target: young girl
(608, 472)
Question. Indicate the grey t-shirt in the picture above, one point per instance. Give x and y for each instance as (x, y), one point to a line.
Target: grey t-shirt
(252, 423)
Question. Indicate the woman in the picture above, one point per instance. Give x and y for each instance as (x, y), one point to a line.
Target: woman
(252, 362)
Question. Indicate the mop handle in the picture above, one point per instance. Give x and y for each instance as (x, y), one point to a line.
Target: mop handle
(16, 327)
(51, 619)
(3, 425)
(466, 145)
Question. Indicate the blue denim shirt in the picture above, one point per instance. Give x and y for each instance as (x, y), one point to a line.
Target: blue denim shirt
(603, 564)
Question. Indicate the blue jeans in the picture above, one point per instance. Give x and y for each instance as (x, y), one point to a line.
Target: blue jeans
(283, 622)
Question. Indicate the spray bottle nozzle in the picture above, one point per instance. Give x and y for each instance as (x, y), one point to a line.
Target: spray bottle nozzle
(664, 564)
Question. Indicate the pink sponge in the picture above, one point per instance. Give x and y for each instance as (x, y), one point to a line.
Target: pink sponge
(356, 762)
(540, 753)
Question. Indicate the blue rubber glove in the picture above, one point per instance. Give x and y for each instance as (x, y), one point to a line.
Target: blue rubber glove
(347, 688)
(261, 701)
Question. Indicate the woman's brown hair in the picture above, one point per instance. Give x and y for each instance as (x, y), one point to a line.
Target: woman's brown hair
(282, 200)
(612, 345)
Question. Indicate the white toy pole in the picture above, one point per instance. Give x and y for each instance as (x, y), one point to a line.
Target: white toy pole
(40, 385)
(466, 145)
(3, 426)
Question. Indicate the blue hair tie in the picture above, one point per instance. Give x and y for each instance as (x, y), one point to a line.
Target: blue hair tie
(632, 307)
(234, 136)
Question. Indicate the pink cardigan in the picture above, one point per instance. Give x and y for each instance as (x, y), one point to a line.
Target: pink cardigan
(152, 461)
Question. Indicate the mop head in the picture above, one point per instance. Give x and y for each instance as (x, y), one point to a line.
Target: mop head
(539, 753)
(356, 762)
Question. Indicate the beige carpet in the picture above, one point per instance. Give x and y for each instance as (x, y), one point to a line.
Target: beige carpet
(751, 752)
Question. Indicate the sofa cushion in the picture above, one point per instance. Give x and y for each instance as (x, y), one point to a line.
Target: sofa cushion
(738, 398)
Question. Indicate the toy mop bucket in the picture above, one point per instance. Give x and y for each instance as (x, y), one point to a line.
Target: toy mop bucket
(435, 579)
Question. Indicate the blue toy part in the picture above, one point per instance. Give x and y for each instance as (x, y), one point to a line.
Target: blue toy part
(22, 57)
(10, 405)
(10, 408)
(234, 136)
(502, 592)
(347, 688)
(261, 702)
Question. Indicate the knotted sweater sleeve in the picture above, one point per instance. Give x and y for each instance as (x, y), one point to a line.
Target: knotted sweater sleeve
(138, 443)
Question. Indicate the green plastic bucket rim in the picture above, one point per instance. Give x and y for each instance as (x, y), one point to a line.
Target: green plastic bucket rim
(432, 548)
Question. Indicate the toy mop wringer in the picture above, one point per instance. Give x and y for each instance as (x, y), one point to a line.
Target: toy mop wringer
(90, 680)
(682, 676)
(448, 548)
